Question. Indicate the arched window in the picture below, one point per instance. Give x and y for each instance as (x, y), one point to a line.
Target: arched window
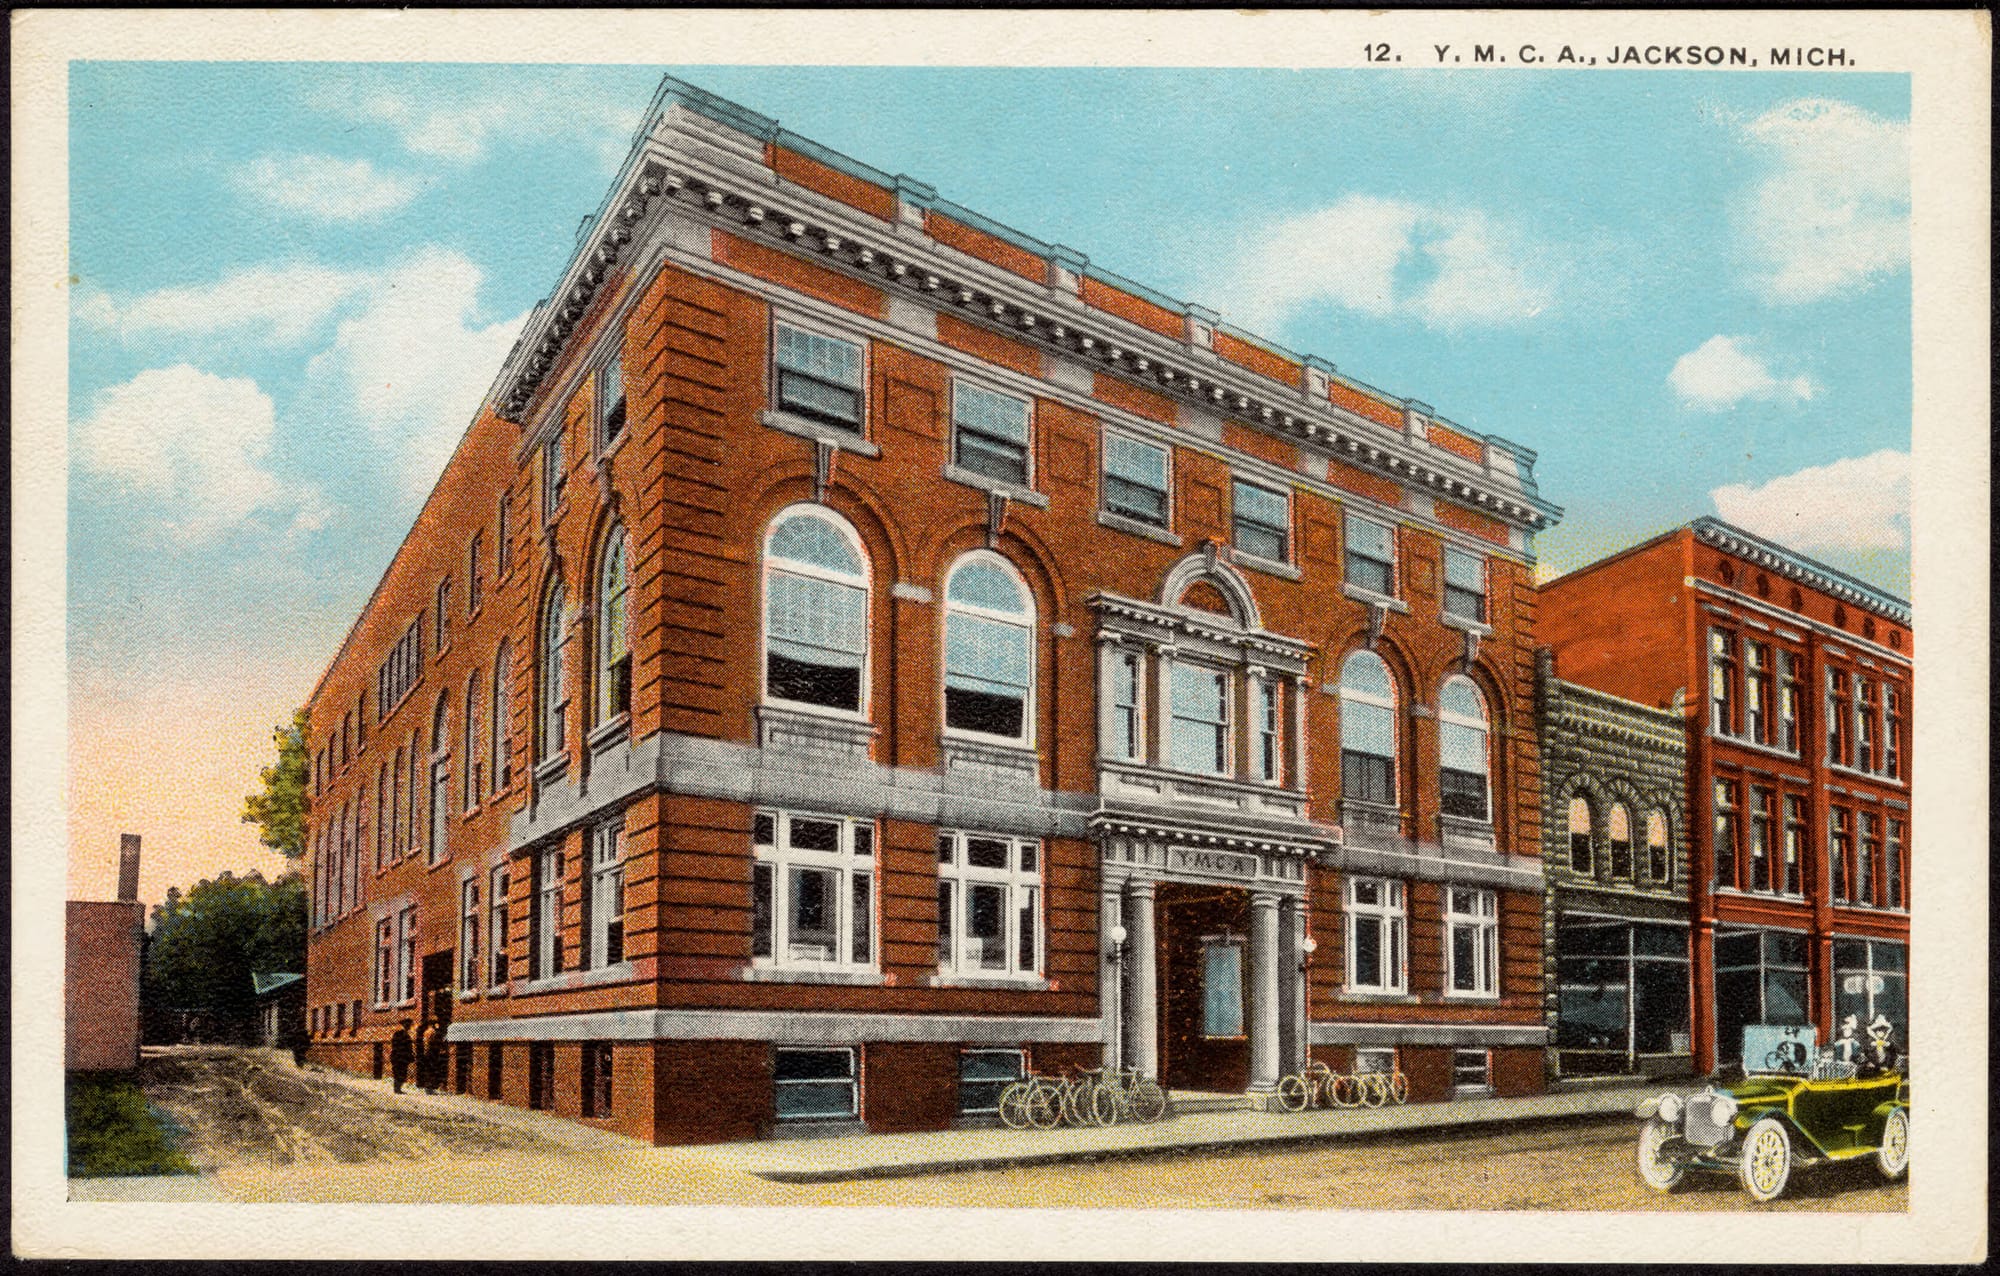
(552, 689)
(1659, 864)
(473, 764)
(613, 674)
(500, 733)
(1367, 730)
(1618, 828)
(815, 611)
(440, 796)
(1462, 763)
(989, 644)
(1581, 858)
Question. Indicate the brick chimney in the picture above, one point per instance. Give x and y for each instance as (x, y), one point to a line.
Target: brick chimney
(128, 866)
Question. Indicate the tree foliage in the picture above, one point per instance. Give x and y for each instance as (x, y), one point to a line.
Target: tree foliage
(279, 808)
(205, 944)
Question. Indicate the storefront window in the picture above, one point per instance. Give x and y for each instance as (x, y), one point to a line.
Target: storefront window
(1760, 977)
(1870, 977)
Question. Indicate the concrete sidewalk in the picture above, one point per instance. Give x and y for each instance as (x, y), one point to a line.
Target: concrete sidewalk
(823, 1160)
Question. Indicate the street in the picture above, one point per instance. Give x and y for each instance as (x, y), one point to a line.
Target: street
(270, 1133)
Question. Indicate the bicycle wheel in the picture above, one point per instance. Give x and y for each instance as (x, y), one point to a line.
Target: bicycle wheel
(1374, 1090)
(1014, 1106)
(1149, 1102)
(1042, 1109)
(1399, 1088)
(1346, 1090)
(1104, 1104)
(1294, 1094)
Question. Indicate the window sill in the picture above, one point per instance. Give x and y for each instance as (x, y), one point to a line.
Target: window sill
(852, 978)
(1269, 566)
(553, 514)
(549, 770)
(994, 982)
(606, 451)
(1369, 997)
(609, 733)
(1373, 599)
(1491, 998)
(1138, 527)
(1452, 621)
(1744, 742)
(1777, 897)
(1012, 491)
(1869, 777)
(819, 432)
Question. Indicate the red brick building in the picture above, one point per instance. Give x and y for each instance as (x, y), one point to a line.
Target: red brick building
(1795, 684)
(103, 941)
(860, 651)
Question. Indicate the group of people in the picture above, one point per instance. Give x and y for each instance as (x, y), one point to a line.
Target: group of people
(1872, 1056)
(425, 1049)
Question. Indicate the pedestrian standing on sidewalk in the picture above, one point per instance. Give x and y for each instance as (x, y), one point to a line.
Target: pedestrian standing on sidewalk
(401, 1051)
(430, 1056)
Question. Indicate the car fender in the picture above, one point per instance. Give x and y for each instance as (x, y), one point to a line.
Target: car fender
(1804, 1145)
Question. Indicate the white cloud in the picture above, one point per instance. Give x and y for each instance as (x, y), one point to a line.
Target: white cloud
(323, 187)
(1858, 503)
(1722, 371)
(1447, 268)
(462, 127)
(413, 364)
(1833, 209)
(281, 304)
(194, 442)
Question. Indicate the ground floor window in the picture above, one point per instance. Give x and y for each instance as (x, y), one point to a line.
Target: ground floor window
(495, 1055)
(815, 1085)
(1374, 1060)
(988, 920)
(1870, 978)
(1760, 977)
(542, 1075)
(812, 893)
(597, 1079)
(1472, 943)
(1471, 1071)
(1622, 991)
(983, 1074)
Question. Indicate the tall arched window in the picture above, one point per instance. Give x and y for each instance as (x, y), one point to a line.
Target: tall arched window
(440, 795)
(552, 689)
(989, 645)
(613, 674)
(1659, 864)
(1367, 730)
(815, 611)
(473, 764)
(500, 734)
(1618, 831)
(1462, 763)
(1581, 858)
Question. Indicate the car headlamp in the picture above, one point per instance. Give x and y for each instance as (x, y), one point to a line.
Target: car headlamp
(1670, 1107)
(1722, 1109)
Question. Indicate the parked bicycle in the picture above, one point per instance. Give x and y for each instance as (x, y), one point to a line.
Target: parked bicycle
(1082, 1097)
(1318, 1086)
(1378, 1088)
(1310, 1087)
(1122, 1094)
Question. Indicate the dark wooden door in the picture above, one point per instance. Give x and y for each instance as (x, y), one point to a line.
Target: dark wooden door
(1203, 987)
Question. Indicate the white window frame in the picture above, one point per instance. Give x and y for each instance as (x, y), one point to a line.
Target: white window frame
(1020, 884)
(546, 953)
(1459, 1065)
(406, 954)
(1019, 1057)
(437, 836)
(500, 741)
(1659, 872)
(1790, 690)
(779, 857)
(1482, 726)
(1105, 476)
(1359, 695)
(1236, 519)
(607, 892)
(1024, 620)
(864, 584)
(470, 730)
(1026, 482)
(385, 962)
(1484, 920)
(468, 934)
(853, 1081)
(1267, 738)
(552, 693)
(1349, 553)
(1128, 717)
(497, 882)
(1227, 723)
(475, 580)
(612, 369)
(1389, 914)
(1478, 562)
(555, 474)
(859, 429)
(605, 655)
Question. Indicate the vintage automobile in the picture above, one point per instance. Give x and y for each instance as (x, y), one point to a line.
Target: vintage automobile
(1793, 1107)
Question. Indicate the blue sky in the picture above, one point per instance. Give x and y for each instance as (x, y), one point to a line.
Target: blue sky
(293, 282)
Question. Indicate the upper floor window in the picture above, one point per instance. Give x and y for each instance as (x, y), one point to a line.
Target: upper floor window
(1135, 479)
(468, 934)
(500, 734)
(1618, 832)
(1582, 859)
(474, 766)
(1839, 719)
(1262, 521)
(1788, 701)
(1200, 712)
(1371, 556)
(496, 924)
(1464, 585)
(988, 649)
(552, 689)
(1892, 867)
(1367, 730)
(475, 572)
(990, 432)
(554, 473)
(1864, 724)
(545, 923)
(1266, 702)
(440, 795)
(1760, 837)
(1376, 930)
(1462, 755)
(503, 535)
(611, 399)
(1757, 691)
(613, 674)
(1472, 943)
(819, 377)
(1725, 833)
(1795, 843)
(1840, 851)
(1892, 731)
(1865, 856)
(815, 611)
(1659, 857)
(1721, 682)
(441, 623)
(607, 893)
(1127, 737)
(988, 918)
(812, 894)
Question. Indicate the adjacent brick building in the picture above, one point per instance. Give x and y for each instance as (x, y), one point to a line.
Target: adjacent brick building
(1793, 682)
(1614, 844)
(103, 943)
(860, 650)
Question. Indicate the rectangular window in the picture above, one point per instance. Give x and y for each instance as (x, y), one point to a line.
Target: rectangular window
(1865, 855)
(1721, 682)
(468, 934)
(815, 1085)
(1471, 1070)
(494, 1073)
(503, 535)
(1840, 851)
(1464, 585)
(1757, 691)
(983, 1074)
(1127, 719)
(1200, 719)
(1376, 927)
(496, 926)
(989, 916)
(812, 891)
(1725, 833)
(611, 400)
(1269, 733)
(607, 893)
(545, 945)
(990, 432)
(1760, 839)
(1135, 480)
(819, 377)
(475, 572)
(596, 1079)
(1795, 843)
(1374, 1060)
(1866, 731)
(406, 954)
(1892, 867)
(1892, 731)
(1222, 988)
(1870, 978)
(385, 962)
(1262, 521)
(554, 467)
(1472, 943)
(441, 624)
(1788, 702)
(1371, 556)
(1839, 719)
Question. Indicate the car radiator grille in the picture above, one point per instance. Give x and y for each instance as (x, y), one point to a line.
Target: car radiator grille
(1702, 1127)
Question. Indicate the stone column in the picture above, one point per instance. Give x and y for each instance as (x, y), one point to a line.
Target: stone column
(1265, 1064)
(1291, 985)
(1111, 1006)
(1142, 1009)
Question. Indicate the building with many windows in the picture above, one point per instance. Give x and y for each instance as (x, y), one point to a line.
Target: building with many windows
(1793, 682)
(860, 651)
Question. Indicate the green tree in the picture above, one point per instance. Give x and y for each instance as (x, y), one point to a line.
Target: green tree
(279, 808)
(205, 944)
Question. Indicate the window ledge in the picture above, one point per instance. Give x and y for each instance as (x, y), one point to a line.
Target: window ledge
(1012, 491)
(1138, 527)
(609, 733)
(1453, 621)
(1364, 996)
(606, 451)
(1870, 777)
(819, 432)
(994, 982)
(810, 975)
(549, 770)
(1780, 897)
(1772, 750)
(1373, 599)
(1490, 997)
(1269, 566)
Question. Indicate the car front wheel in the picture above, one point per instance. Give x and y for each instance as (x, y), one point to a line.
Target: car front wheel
(1767, 1159)
(1893, 1157)
(1662, 1173)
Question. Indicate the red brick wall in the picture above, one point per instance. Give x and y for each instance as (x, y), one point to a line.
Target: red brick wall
(1516, 1071)
(101, 984)
(909, 1086)
(711, 1091)
(988, 248)
(1116, 301)
(1429, 1071)
(1622, 625)
(832, 183)
(1258, 359)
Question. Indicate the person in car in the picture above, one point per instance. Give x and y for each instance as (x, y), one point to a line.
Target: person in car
(1848, 1046)
(1880, 1055)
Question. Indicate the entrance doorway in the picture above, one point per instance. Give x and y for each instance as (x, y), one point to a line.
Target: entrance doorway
(1204, 1002)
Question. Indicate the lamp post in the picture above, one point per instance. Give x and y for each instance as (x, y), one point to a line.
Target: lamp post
(1117, 997)
(1306, 947)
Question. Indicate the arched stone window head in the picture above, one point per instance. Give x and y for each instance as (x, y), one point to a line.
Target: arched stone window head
(1203, 582)
(815, 611)
(989, 644)
(1367, 730)
(1462, 752)
(1618, 830)
(1581, 857)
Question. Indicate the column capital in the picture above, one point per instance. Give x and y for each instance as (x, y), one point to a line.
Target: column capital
(1140, 887)
(1265, 899)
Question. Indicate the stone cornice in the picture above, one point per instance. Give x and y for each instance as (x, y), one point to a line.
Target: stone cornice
(1717, 534)
(1140, 616)
(1307, 841)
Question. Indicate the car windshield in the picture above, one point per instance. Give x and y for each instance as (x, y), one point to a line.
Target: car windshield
(1779, 1048)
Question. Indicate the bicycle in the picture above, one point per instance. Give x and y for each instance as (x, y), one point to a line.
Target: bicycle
(1311, 1086)
(1034, 1101)
(1123, 1094)
(1378, 1088)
